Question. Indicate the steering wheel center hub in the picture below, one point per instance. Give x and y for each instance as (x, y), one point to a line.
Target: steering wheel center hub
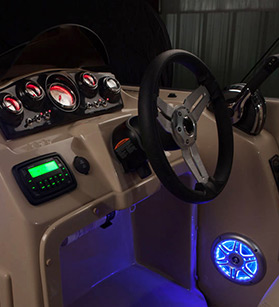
(184, 127)
(188, 125)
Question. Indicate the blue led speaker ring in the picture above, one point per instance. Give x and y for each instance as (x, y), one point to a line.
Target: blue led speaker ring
(238, 259)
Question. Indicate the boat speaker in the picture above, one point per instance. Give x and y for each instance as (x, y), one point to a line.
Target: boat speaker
(238, 259)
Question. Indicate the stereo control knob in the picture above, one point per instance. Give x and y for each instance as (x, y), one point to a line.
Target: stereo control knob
(110, 89)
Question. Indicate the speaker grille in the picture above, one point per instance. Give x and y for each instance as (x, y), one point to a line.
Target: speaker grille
(238, 259)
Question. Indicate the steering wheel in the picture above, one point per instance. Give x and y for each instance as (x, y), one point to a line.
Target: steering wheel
(181, 123)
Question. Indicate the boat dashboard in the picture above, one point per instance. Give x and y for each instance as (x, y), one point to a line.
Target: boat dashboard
(57, 117)
(56, 141)
(52, 98)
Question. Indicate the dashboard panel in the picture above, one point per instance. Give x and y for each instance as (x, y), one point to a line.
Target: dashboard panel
(47, 99)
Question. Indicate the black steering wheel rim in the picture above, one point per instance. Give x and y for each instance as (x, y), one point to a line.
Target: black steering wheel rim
(148, 124)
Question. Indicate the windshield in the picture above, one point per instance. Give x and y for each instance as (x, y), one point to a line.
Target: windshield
(64, 46)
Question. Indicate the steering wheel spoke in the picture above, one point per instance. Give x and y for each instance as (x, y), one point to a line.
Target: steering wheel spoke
(165, 123)
(166, 108)
(196, 102)
(193, 160)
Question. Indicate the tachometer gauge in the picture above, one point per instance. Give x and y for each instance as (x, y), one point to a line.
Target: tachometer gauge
(63, 97)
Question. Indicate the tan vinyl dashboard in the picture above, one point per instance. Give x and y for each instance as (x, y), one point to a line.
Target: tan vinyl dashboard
(91, 139)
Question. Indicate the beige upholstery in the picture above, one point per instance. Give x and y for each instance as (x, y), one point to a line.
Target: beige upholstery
(271, 297)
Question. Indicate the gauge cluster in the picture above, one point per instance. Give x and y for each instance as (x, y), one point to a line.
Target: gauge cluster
(45, 100)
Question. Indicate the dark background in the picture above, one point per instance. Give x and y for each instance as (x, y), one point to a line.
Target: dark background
(131, 30)
(229, 36)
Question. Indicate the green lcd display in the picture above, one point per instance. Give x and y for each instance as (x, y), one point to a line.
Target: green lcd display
(43, 169)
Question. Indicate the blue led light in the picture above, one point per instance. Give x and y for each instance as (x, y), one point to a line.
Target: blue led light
(235, 260)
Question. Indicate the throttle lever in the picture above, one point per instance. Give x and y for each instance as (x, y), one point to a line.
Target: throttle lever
(236, 103)
(270, 65)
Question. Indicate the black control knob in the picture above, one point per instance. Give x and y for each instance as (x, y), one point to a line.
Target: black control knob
(11, 110)
(110, 89)
(81, 165)
(88, 84)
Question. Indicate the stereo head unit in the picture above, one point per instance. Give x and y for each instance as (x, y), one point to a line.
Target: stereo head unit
(44, 177)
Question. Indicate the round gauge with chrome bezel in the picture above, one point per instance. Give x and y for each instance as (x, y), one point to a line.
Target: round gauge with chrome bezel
(63, 97)
(89, 80)
(33, 90)
(31, 94)
(11, 109)
(88, 84)
(110, 89)
(62, 92)
(12, 105)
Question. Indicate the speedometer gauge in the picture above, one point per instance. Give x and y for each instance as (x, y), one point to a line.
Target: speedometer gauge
(62, 96)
